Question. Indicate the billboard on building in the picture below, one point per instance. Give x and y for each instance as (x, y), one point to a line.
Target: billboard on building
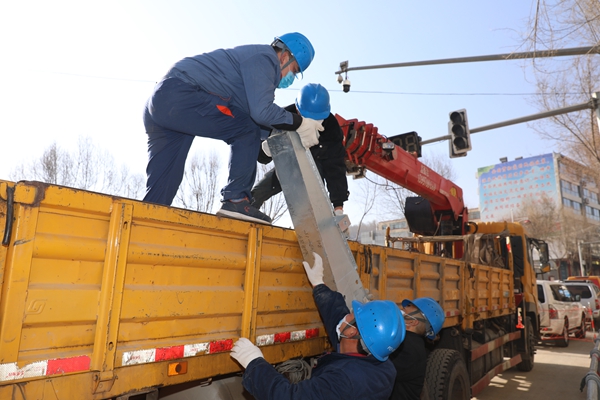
(505, 187)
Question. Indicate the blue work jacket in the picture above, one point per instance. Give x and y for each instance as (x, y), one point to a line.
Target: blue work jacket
(336, 376)
(246, 76)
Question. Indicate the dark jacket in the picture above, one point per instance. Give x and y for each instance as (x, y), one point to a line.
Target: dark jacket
(410, 360)
(336, 376)
(329, 156)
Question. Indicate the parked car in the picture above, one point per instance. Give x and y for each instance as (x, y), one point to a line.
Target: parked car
(589, 295)
(562, 314)
(594, 279)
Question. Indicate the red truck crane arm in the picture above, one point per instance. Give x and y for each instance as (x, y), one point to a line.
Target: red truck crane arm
(366, 148)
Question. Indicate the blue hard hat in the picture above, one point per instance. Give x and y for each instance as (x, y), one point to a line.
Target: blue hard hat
(432, 311)
(313, 101)
(381, 326)
(300, 47)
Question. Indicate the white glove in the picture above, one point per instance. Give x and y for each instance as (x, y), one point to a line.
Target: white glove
(266, 149)
(338, 211)
(245, 352)
(315, 274)
(309, 132)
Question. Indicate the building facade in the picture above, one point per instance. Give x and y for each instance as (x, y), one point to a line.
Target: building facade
(506, 188)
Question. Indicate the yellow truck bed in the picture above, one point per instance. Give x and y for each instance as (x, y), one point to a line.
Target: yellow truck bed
(103, 296)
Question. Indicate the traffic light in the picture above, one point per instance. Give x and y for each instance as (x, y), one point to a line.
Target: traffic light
(460, 137)
(410, 142)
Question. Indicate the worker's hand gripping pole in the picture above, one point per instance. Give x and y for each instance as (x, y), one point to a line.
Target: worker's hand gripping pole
(312, 214)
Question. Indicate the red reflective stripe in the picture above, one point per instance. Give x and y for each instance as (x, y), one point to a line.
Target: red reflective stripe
(221, 345)
(168, 353)
(282, 337)
(65, 365)
(225, 110)
(312, 333)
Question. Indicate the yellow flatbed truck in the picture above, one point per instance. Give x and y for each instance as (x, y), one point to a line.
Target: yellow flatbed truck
(107, 298)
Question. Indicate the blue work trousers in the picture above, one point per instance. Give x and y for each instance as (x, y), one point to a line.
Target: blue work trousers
(177, 112)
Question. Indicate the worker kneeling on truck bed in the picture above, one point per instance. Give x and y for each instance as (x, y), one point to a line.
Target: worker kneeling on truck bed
(360, 368)
(329, 154)
(423, 318)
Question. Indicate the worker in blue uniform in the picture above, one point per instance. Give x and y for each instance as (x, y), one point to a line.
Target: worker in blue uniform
(423, 318)
(225, 94)
(329, 154)
(359, 369)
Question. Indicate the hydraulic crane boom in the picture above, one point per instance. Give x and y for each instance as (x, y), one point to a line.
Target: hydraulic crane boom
(367, 149)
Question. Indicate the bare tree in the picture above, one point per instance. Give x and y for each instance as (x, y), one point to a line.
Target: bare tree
(540, 217)
(563, 82)
(54, 166)
(200, 186)
(88, 167)
(276, 206)
(367, 193)
(394, 196)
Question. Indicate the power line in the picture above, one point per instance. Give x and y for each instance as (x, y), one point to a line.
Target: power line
(454, 94)
(95, 76)
(337, 90)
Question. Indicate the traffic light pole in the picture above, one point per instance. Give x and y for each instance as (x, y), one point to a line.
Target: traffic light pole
(579, 243)
(575, 51)
(592, 104)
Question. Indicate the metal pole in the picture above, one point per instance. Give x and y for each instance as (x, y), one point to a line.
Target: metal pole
(580, 259)
(578, 107)
(595, 97)
(317, 230)
(493, 57)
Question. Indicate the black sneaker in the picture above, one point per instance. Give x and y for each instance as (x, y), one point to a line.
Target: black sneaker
(243, 210)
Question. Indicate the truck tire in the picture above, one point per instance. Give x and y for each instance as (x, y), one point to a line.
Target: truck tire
(564, 341)
(526, 364)
(446, 376)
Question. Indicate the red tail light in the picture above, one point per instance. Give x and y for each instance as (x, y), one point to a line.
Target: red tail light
(552, 312)
(597, 304)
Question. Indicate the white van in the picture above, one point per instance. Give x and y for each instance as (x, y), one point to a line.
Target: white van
(590, 298)
(562, 313)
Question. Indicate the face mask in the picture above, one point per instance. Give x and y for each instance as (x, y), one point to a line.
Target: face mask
(287, 80)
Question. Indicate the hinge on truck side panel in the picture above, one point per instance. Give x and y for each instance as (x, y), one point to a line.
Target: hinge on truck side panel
(10, 207)
(103, 382)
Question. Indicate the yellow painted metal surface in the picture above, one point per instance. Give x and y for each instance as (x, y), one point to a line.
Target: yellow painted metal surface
(108, 282)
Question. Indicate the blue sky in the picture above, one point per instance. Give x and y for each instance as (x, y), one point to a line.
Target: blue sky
(86, 68)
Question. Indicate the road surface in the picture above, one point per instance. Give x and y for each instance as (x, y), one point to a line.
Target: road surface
(557, 374)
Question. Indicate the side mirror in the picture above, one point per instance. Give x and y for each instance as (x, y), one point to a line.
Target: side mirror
(544, 256)
(546, 268)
